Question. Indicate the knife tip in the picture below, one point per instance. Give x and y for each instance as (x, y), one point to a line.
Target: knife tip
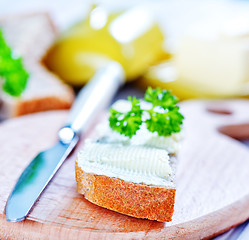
(15, 219)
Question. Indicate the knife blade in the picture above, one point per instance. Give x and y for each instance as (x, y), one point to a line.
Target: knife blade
(93, 98)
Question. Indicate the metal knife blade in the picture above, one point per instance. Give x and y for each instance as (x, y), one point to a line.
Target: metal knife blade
(91, 99)
(34, 179)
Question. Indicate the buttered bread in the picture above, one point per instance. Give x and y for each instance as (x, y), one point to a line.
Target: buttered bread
(131, 176)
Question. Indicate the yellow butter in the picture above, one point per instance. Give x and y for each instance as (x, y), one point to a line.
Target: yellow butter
(131, 38)
(217, 65)
(210, 56)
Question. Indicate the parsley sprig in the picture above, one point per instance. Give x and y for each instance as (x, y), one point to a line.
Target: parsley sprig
(12, 70)
(163, 116)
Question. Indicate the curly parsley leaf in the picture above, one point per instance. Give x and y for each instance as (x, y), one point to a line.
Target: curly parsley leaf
(165, 123)
(165, 117)
(160, 98)
(127, 123)
(12, 70)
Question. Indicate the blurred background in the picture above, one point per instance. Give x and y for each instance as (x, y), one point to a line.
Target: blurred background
(198, 49)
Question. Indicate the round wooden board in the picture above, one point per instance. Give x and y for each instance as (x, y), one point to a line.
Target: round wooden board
(212, 182)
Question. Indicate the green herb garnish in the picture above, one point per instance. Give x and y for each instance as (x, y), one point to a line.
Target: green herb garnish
(12, 70)
(163, 117)
(127, 123)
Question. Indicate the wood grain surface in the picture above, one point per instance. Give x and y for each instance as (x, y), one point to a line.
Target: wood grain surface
(212, 181)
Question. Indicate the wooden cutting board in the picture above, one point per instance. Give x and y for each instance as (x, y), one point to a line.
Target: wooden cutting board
(212, 180)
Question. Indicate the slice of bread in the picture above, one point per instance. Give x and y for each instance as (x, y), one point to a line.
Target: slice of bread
(134, 176)
(30, 36)
(133, 199)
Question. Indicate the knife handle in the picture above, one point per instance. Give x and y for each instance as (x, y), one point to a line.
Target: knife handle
(95, 96)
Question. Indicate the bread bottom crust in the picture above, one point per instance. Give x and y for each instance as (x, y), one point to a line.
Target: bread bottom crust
(137, 200)
(42, 104)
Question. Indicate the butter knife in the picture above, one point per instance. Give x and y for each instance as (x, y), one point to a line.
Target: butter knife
(93, 98)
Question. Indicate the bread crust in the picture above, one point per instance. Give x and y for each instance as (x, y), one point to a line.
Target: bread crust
(42, 104)
(137, 200)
